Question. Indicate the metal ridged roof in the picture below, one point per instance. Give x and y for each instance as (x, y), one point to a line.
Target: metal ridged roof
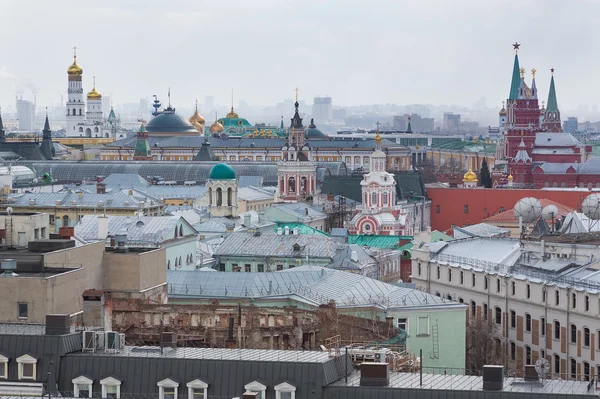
(315, 284)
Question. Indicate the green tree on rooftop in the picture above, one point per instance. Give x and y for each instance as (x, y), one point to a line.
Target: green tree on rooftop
(485, 179)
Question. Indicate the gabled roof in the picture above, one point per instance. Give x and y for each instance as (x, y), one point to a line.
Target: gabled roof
(248, 244)
(555, 140)
(479, 230)
(125, 180)
(377, 241)
(314, 284)
(143, 230)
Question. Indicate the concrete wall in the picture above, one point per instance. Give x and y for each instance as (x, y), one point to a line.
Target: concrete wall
(134, 271)
(29, 227)
(58, 293)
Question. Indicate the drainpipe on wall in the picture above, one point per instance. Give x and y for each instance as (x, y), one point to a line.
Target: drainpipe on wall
(568, 338)
(507, 321)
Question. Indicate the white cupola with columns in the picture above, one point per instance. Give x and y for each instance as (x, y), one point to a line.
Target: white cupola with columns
(75, 101)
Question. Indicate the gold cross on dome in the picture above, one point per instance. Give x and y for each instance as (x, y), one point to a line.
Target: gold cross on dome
(74, 51)
(522, 70)
(533, 71)
(296, 93)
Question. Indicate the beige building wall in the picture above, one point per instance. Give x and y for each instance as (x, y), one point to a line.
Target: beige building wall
(25, 227)
(134, 271)
(58, 293)
(248, 205)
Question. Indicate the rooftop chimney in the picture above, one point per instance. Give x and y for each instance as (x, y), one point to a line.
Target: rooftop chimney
(287, 230)
(493, 378)
(100, 188)
(58, 324)
(374, 374)
(102, 227)
(247, 220)
(354, 256)
(66, 232)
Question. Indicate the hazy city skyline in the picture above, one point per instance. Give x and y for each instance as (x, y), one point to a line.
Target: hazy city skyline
(402, 52)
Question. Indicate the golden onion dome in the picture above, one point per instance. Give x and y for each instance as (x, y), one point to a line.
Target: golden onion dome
(75, 69)
(502, 112)
(232, 114)
(94, 95)
(216, 127)
(510, 177)
(378, 138)
(470, 177)
(197, 118)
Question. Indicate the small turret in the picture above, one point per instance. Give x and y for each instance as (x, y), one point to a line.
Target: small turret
(47, 147)
(533, 86)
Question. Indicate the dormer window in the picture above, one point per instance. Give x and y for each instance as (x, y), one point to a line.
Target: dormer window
(27, 367)
(258, 387)
(111, 388)
(285, 390)
(167, 389)
(197, 389)
(3, 366)
(82, 387)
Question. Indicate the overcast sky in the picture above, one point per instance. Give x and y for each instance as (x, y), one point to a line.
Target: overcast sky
(358, 52)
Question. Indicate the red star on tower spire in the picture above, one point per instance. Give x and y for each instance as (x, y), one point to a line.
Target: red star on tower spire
(516, 46)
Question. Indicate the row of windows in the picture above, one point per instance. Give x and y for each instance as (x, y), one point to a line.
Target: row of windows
(528, 325)
(168, 388)
(179, 261)
(26, 367)
(513, 288)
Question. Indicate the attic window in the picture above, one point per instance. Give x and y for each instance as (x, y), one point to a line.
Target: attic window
(285, 390)
(3, 367)
(111, 387)
(82, 387)
(296, 247)
(27, 367)
(258, 387)
(167, 389)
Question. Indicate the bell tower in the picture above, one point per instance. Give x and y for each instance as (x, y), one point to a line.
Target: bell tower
(75, 102)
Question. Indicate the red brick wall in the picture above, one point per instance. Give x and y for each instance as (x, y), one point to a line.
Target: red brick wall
(453, 200)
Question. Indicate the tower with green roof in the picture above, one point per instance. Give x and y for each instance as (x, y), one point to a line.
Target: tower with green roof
(552, 121)
(142, 148)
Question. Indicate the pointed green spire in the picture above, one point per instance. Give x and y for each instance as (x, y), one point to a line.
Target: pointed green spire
(515, 81)
(551, 105)
(409, 128)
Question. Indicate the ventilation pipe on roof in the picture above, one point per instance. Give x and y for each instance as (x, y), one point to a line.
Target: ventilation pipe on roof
(287, 230)
(279, 231)
(354, 256)
(543, 245)
(296, 231)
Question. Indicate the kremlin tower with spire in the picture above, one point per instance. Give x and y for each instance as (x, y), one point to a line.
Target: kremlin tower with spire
(533, 138)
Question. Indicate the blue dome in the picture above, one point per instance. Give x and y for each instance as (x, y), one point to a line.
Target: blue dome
(169, 122)
(222, 171)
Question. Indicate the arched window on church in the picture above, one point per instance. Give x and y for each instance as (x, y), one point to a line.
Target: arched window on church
(366, 199)
(210, 198)
(95, 130)
(374, 199)
(292, 184)
(80, 112)
(303, 184)
(80, 129)
(384, 198)
(181, 231)
(74, 111)
(219, 196)
(229, 197)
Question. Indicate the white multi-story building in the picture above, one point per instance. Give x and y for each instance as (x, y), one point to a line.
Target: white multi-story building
(544, 297)
(82, 122)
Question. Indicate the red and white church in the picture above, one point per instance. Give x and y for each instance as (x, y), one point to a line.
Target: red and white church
(379, 214)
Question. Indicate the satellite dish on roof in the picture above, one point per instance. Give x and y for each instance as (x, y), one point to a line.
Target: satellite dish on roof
(549, 212)
(591, 206)
(528, 209)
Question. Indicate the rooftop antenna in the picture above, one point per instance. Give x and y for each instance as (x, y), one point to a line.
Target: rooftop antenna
(232, 98)
(169, 97)
(296, 94)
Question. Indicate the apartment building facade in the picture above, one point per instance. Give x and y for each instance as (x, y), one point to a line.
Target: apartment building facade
(544, 298)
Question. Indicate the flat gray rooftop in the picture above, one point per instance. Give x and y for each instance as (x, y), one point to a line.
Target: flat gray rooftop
(474, 383)
(218, 354)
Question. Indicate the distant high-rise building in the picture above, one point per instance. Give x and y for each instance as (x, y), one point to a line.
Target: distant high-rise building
(417, 123)
(451, 121)
(570, 125)
(209, 103)
(25, 114)
(322, 109)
